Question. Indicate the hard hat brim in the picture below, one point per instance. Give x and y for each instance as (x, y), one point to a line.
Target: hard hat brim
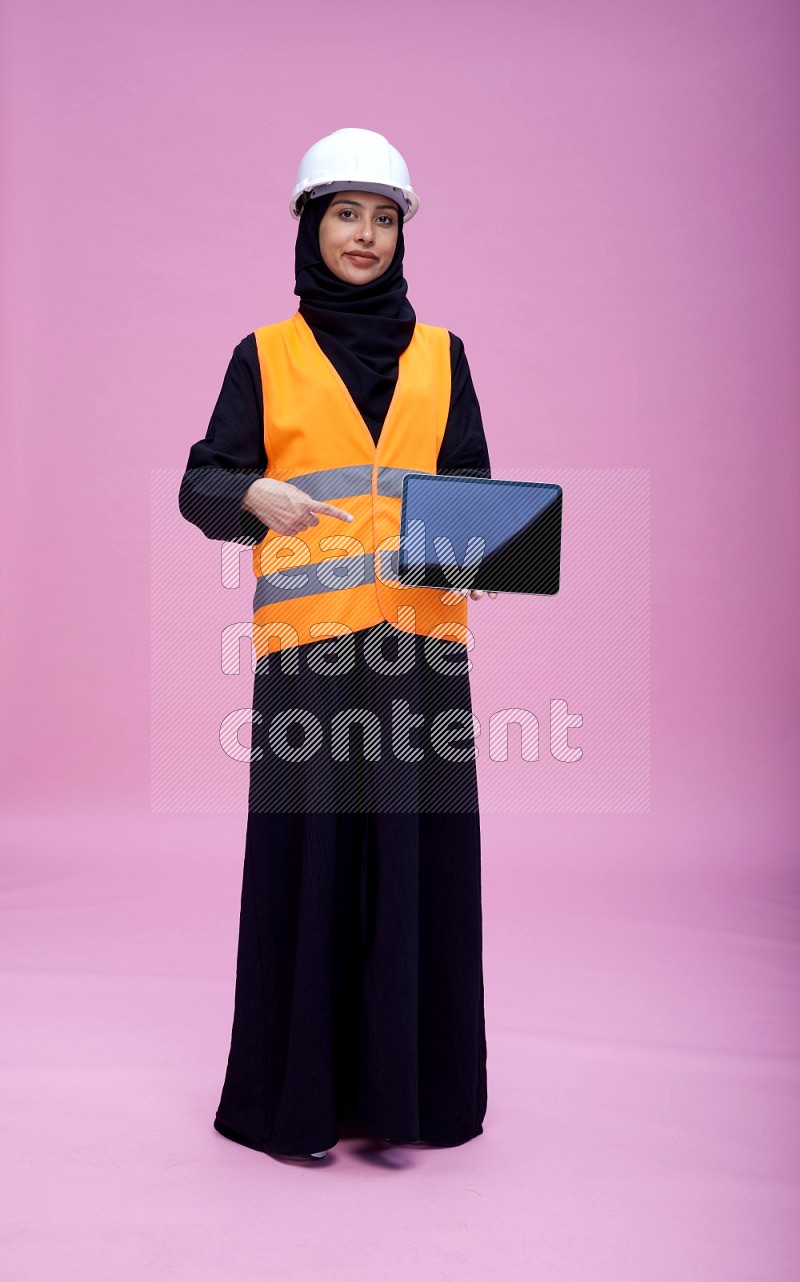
(402, 196)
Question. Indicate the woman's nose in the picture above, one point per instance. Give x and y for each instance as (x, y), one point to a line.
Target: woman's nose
(365, 234)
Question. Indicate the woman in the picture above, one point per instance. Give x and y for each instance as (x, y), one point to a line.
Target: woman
(359, 980)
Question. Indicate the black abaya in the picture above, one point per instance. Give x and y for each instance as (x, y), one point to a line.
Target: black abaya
(359, 982)
(359, 978)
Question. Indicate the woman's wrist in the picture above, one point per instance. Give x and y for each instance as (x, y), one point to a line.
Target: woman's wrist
(249, 495)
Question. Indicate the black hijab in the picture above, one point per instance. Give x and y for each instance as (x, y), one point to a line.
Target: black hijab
(362, 329)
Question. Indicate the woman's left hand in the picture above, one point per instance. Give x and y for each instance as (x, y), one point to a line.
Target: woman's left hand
(474, 593)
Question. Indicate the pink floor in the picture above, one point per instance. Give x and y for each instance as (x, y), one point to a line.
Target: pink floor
(642, 1037)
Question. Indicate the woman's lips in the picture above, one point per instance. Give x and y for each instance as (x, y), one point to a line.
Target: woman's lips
(363, 260)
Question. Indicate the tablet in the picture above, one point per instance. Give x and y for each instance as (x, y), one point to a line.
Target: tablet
(480, 533)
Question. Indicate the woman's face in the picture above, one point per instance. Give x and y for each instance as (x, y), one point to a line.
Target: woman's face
(358, 235)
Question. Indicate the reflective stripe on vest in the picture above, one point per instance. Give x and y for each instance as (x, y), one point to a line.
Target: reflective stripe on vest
(337, 575)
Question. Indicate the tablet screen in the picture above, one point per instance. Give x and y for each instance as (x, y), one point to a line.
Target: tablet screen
(481, 533)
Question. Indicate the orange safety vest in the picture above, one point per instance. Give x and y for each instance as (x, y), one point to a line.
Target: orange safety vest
(342, 576)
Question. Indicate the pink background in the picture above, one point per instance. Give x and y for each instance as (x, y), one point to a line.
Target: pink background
(609, 212)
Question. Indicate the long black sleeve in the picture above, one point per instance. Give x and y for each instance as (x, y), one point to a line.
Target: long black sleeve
(463, 451)
(223, 466)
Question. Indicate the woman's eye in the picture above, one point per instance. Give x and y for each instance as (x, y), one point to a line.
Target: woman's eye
(385, 219)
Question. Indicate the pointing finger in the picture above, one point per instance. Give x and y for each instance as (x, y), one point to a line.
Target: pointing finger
(328, 509)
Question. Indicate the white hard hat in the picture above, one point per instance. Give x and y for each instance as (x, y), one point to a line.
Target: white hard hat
(354, 160)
